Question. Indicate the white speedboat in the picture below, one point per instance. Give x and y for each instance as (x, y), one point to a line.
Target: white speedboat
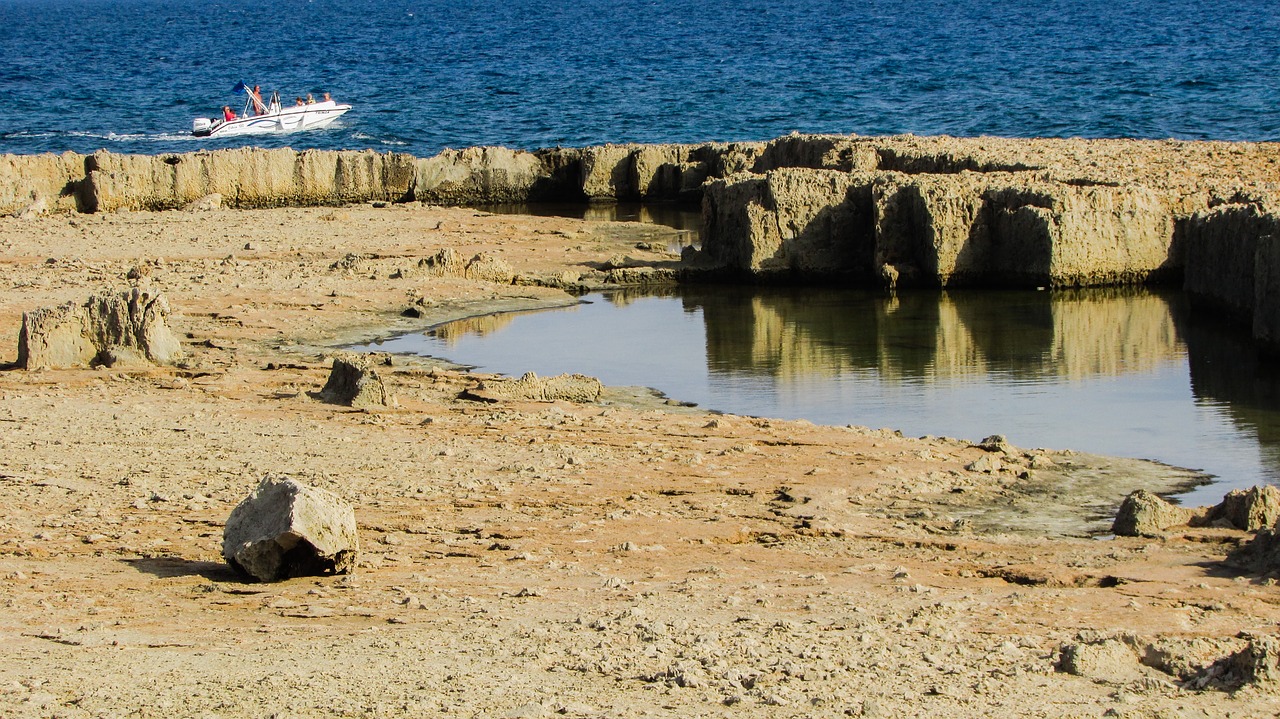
(260, 118)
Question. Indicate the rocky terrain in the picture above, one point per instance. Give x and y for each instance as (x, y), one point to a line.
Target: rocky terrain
(622, 557)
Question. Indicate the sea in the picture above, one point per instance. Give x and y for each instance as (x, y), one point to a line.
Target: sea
(131, 75)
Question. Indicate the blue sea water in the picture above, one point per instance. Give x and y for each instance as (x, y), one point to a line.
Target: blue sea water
(129, 75)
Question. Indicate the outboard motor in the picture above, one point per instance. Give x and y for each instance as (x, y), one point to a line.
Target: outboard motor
(201, 126)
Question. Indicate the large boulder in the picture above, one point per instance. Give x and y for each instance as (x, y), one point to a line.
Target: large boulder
(286, 529)
(1143, 514)
(110, 329)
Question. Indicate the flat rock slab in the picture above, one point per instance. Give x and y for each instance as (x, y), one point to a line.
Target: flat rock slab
(286, 529)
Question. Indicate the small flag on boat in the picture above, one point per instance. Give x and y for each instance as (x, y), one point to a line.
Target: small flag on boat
(240, 88)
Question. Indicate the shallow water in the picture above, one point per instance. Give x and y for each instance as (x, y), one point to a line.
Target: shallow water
(129, 75)
(1119, 372)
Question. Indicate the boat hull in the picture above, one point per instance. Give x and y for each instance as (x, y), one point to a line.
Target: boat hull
(284, 120)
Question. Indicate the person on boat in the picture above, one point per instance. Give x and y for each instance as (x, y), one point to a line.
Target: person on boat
(310, 100)
(258, 107)
(228, 114)
(327, 98)
(298, 101)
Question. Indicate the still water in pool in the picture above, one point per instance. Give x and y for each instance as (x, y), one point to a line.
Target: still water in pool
(1121, 372)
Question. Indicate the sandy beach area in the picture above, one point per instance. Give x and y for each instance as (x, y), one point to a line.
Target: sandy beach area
(625, 558)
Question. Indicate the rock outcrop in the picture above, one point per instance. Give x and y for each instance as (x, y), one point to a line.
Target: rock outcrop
(894, 211)
(245, 178)
(1260, 555)
(285, 529)
(789, 221)
(353, 381)
(482, 175)
(54, 181)
(483, 266)
(567, 387)
(1245, 509)
(1143, 514)
(112, 329)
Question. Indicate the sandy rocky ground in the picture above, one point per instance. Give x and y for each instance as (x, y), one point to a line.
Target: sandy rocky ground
(627, 558)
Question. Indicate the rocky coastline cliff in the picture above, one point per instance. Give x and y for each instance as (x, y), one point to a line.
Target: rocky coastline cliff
(897, 212)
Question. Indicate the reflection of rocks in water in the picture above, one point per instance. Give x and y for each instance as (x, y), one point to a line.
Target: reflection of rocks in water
(1227, 370)
(480, 326)
(926, 335)
(1071, 333)
(629, 295)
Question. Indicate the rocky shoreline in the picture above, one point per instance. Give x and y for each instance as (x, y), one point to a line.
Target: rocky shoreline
(900, 211)
(520, 557)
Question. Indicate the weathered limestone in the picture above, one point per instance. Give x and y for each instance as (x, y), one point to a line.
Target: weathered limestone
(1221, 247)
(1246, 509)
(938, 230)
(479, 175)
(942, 211)
(1110, 659)
(285, 529)
(353, 381)
(112, 328)
(245, 177)
(1143, 514)
(606, 172)
(483, 266)
(567, 387)
(1249, 659)
(1260, 555)
(1266, 293)
(790, 221)
(31, 180)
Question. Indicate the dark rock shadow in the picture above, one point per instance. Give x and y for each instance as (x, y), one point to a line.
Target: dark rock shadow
(169, 567)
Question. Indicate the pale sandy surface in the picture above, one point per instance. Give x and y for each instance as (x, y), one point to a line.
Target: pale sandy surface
(624, 559)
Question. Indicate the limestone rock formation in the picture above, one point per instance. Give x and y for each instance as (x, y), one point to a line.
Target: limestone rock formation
(1256, 665)
(1266, 292)
(1143, 514)
(606, 172)
(567, 387)
(1260, 555)
(355, 382)
(484, 266)
(54, 181)
(1110, 659)
(111, 327)
(1246, 509)
(245, 177)
(898, 211)
(788, 221)
(479, 175)
(1220, 247)
(285, 529)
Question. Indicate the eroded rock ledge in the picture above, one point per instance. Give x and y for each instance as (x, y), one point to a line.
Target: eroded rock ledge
(890, 211)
